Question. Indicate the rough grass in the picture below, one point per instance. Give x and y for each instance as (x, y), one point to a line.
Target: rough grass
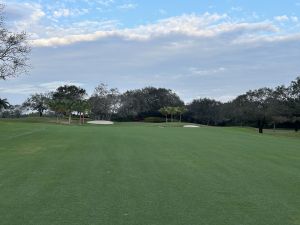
(146, 174)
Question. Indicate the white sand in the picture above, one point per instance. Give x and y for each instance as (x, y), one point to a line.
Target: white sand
(190, 126)
(101, 122)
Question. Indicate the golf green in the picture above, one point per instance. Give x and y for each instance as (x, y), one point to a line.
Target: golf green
(146, 174)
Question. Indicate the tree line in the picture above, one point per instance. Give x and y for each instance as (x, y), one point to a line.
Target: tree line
(261, 108)
(105, 103)
(264, 107)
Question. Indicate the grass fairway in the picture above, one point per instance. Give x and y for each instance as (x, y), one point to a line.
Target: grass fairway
(137, 174)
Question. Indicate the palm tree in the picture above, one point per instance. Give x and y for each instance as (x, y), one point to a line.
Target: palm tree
(82, 106)
(164, 111)
(172, 111)
(4, 104)
(181, 110)
(58, 107)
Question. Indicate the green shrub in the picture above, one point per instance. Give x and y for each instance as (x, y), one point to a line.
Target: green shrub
(154, 120)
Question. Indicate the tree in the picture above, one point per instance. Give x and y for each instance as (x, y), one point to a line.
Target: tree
(280, 106)
(172, 111)
(104, 102)
(205, 111)
(140, 103)
(295, 102)
(67, 96)
(4, 104)
(181, 110)
(13, 111)
(238, 110)
(260, 108)
(58, 107)
(82, 106)
(38, 102)
(164, 111)
(257, 106)
(14, 50)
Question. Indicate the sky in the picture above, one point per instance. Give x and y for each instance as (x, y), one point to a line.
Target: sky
(215, 49)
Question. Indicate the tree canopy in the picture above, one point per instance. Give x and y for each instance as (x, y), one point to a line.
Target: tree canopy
(38, 102)
(65, 99)
(145, 102)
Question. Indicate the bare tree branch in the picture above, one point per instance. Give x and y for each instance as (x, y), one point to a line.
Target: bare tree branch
(14, 50)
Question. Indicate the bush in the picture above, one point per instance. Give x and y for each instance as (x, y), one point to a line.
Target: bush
(154, 120)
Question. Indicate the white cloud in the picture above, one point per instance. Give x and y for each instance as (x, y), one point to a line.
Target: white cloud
(282, 18)
(194, 72)
(236, 8)
(21, 16)
(204, 26)
(204, 72)
(79, 28)
(285, 18)
(61, 13)
(67, 40)
(64, 12)
(105, 2)
(128, 6)
(264, 39)
(295, 19)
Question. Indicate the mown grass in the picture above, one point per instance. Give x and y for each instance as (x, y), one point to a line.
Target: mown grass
(134, 174)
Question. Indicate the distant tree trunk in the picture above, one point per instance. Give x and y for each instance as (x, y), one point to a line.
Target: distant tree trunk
(70, 118)
(274, 126)
(180, 118)
(261, 124)
(83, 118)
(166, 118)
(41, 113)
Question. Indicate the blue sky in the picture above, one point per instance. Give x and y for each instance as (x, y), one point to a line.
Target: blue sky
(216, 49)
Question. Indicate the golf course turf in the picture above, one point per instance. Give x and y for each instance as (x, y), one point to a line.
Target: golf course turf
(146, 174)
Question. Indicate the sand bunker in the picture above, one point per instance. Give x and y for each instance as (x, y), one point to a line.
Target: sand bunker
(101, 122)
(190, 126)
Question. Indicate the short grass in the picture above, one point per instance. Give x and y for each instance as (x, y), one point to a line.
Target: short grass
(146, 174)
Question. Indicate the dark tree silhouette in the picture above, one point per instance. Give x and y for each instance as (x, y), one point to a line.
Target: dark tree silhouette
(4, 104)
(38, 102)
